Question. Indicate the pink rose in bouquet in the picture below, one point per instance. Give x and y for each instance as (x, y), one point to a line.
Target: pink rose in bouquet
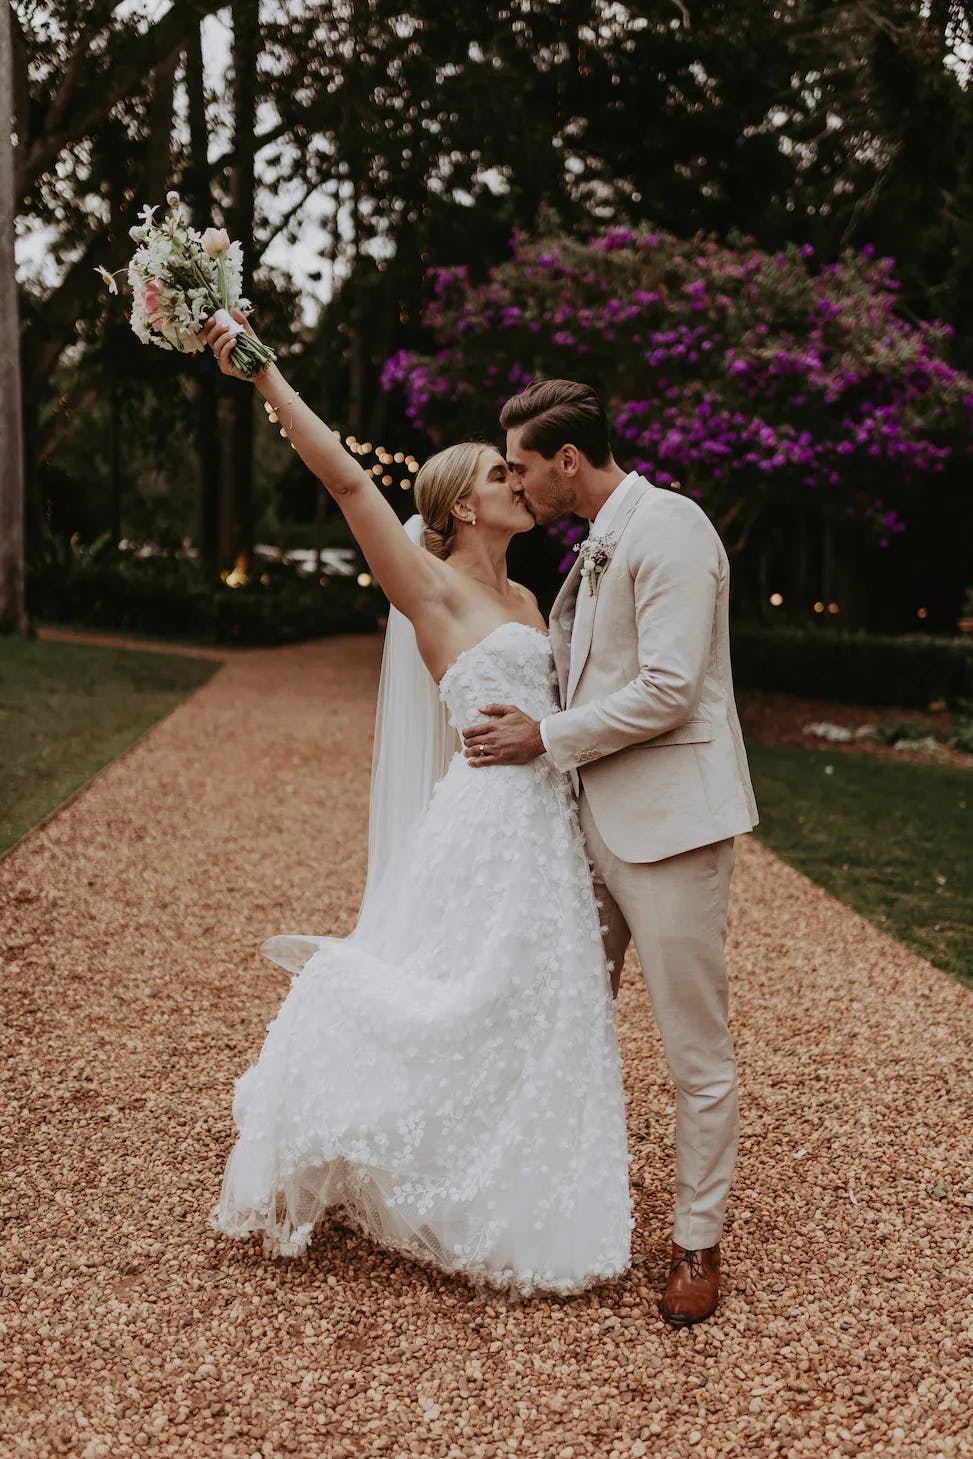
(150, 298)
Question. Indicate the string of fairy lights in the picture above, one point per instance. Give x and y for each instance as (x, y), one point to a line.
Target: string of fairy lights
(407, 468)
(384, 458)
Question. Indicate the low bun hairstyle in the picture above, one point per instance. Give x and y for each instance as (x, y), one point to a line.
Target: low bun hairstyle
(444, 480)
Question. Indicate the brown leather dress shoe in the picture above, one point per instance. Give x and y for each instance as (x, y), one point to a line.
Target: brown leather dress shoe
(693, 1289)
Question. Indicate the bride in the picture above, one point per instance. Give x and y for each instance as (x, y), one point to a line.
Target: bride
(446, 1079)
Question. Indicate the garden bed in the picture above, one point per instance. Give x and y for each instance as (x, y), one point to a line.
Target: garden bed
(783, 719)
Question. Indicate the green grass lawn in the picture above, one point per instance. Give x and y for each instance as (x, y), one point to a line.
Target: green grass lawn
(891, 840)
(67, 710)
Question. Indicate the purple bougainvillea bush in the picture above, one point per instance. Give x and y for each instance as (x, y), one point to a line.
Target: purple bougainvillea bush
(753, 381)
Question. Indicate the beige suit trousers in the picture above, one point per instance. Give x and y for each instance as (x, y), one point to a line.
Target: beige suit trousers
(675, 910)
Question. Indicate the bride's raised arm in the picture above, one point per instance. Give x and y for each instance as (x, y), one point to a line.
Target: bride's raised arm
(409, 576)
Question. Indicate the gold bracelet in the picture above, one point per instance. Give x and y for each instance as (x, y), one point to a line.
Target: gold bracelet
(273, 411)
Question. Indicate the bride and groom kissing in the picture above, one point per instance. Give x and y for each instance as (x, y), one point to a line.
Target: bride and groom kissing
(447, 1078)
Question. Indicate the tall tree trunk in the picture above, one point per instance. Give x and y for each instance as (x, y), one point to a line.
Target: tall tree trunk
(356, 343)
(378, 416)
(322, 499)
(13, 612)
(115, 426)
(206, 404)
(158, 149)
(827, 563)
(238, 520)
(351, 148)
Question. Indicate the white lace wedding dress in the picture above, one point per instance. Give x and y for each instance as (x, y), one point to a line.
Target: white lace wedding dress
(458, 1097)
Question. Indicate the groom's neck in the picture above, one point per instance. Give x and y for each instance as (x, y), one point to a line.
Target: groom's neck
(596, 488)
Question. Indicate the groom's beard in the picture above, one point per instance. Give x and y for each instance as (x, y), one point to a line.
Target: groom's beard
(558, 502)
(561, 497)
(538, 519)
(544, 516)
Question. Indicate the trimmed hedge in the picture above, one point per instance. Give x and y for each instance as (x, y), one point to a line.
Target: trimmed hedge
(910, 672)
(171, 599)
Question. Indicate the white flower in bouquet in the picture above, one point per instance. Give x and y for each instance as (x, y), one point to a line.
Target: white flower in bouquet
(180, 278)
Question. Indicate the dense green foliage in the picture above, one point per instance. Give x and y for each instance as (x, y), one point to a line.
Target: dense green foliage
(169, 598)
(67, 710)
(910, 672)
(891, 840)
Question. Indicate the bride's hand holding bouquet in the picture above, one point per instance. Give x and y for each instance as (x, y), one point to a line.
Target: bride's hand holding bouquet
(222, 333)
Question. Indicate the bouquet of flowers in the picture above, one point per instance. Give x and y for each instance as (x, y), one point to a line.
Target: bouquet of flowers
(180, 278)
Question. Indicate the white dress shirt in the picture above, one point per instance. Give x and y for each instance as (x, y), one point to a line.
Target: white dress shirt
(606, 514)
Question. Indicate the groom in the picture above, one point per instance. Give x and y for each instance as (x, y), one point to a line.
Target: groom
(649, 732)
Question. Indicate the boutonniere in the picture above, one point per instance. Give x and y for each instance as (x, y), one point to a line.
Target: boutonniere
(596, 553)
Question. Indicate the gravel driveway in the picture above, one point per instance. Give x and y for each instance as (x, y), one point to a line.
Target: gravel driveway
(134, 994)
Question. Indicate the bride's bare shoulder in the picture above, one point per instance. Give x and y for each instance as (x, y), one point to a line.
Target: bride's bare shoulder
(529, 605)
(524, 593)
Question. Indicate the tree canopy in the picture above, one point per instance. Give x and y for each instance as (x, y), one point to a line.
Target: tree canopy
(419, 138)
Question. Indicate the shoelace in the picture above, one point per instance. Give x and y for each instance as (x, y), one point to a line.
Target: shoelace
(693, 1261)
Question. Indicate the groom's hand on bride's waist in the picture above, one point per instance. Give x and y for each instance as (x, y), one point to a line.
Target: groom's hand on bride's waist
(509, 738)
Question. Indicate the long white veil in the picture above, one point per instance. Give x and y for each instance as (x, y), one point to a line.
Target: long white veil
(414, 743)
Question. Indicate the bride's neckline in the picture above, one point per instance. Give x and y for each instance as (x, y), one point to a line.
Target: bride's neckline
(508, 623)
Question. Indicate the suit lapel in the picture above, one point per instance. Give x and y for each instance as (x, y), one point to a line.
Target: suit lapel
(562, 624)
(585, 621)
(584, 627)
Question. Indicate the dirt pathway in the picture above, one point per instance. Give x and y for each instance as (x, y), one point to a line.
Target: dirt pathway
(134, 994)
(146, 645)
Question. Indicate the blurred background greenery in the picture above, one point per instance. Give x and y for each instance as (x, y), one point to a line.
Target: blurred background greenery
(365, 151)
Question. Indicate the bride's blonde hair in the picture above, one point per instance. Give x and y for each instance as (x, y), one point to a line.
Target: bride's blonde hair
(444, 480)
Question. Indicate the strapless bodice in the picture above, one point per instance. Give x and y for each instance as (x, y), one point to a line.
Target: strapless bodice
(512, 664)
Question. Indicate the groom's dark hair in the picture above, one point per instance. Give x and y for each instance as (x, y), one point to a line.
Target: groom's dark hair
(556, 413)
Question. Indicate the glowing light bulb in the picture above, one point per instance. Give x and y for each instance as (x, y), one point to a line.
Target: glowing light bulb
(922, 613)
(364, 579)
(775, 600)
(819, 607)
(833, 608)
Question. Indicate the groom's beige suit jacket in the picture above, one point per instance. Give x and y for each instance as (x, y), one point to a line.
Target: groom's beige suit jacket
(648, 707)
